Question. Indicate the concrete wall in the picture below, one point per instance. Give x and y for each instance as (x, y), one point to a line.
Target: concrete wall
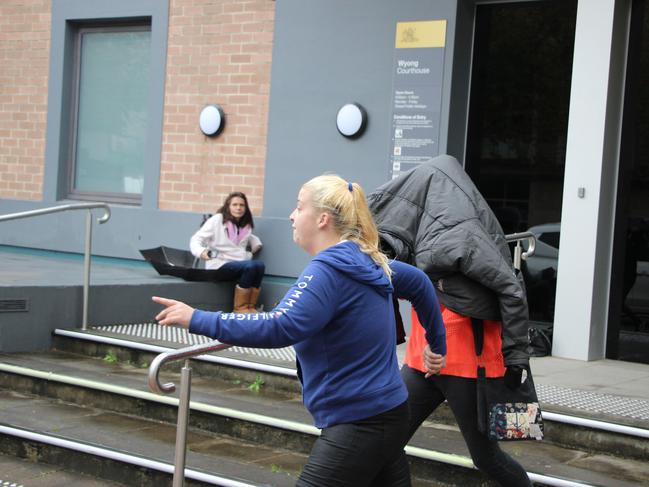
(130, 229)
(322, 60)
(52, 307)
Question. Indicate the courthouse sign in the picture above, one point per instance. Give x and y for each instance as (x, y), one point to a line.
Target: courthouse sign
(418, 71)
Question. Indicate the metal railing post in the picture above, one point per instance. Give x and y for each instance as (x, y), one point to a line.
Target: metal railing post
(86, 269)
(181, 428)
(518, 250)
(184, 396)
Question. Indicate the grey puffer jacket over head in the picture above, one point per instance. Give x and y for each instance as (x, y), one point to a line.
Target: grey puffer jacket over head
(435, 218)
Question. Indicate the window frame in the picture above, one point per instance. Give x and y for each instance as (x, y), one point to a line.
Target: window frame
(65, 18)
(140, 25)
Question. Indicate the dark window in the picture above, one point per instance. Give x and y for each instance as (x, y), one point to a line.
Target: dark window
(519, 104)
(628, 321)
(518, 121)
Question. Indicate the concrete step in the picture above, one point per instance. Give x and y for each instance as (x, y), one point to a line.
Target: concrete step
(21, 472)
(275, 419)
(233, 365)
(129, 435)
(228, 456)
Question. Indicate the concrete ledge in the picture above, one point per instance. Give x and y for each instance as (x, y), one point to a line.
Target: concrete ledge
(50, 286)
(50, 307)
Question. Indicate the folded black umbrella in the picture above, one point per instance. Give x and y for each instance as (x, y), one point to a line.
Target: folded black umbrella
(181, 263)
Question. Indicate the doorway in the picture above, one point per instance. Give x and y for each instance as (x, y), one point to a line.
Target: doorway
(628, 319)
(517, 128)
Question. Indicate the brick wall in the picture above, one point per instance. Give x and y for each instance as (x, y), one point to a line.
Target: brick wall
(24, 64)
(219, 51)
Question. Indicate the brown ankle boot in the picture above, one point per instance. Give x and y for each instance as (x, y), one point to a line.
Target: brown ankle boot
(241, 299)
(252, 301)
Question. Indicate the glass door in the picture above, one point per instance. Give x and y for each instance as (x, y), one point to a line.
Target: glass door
(518, 120)
(628, 323)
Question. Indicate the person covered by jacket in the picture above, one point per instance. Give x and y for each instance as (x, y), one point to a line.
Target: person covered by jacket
(339, 316)
(435, 218)
(226, 242)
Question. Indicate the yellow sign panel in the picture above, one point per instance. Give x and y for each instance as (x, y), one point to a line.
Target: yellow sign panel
(430, 33)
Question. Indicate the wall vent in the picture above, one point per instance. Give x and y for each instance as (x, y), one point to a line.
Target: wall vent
(13, 305)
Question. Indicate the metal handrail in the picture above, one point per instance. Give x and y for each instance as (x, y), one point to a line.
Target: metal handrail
(174, 356)
(86, 254)
(518, 250)
(183, 399)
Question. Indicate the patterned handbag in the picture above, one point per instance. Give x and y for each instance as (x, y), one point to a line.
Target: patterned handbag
(508, 414)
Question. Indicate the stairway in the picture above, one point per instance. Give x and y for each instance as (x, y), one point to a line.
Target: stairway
(85, 407)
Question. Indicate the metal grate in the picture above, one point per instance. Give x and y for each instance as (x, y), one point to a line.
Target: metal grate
(593, 402)
(153, 331)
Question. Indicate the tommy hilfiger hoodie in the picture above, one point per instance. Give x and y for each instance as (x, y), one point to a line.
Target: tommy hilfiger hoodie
(339, 316)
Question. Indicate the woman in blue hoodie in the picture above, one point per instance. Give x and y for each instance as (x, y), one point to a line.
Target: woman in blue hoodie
(339, 316)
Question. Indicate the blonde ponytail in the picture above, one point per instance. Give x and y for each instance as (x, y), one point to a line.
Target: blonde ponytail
(346, 203)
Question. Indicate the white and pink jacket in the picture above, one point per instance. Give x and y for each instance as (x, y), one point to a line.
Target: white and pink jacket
(214, 236)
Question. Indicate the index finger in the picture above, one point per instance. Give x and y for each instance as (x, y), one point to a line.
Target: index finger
(163, 301)
(434, 355)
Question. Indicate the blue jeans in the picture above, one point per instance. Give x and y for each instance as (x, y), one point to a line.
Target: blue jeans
(248, 273)
(368, 452)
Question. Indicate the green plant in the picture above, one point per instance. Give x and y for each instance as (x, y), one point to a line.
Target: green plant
(257, 384)
(275, 468)
(110, 357)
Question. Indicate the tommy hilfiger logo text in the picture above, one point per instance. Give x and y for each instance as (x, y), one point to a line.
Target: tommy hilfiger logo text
(289, 302)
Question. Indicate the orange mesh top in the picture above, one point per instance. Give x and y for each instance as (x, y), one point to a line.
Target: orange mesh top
(461, 360)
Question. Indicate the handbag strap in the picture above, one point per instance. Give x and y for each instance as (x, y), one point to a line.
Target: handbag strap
(478, 335)
(398, 320)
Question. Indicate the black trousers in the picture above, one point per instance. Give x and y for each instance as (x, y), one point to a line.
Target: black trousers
(368, 452)
(424, 397)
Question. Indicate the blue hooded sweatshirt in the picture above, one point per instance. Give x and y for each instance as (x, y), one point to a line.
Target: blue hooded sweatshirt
(339, 316)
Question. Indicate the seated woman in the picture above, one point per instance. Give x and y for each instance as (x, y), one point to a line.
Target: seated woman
(226, 243)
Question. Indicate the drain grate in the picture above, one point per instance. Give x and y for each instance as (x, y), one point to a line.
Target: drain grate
(153, 331)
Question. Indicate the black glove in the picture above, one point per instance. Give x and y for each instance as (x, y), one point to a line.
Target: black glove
(513, 376)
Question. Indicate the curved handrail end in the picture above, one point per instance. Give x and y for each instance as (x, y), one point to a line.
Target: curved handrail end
(154, 380)
(106, 216)
(531, 242)
(179, 354)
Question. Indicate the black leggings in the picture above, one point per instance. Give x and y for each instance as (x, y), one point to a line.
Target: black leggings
(368, 452)
(424, 397)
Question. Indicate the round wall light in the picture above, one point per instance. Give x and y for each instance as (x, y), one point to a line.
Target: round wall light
(212, 120)
(351, 120)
